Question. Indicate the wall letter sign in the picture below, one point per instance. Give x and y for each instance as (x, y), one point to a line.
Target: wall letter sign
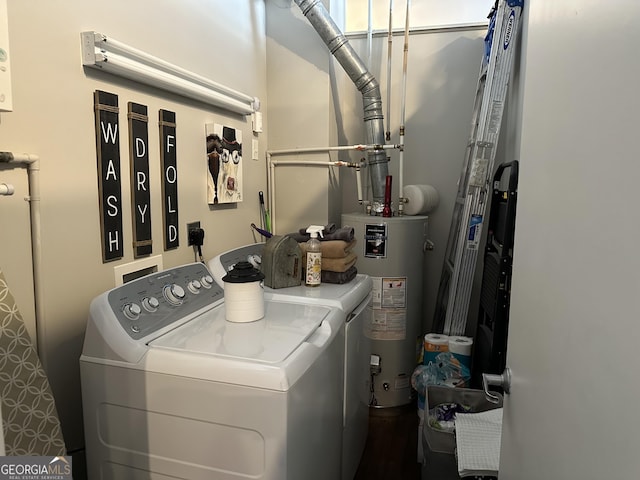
(140, 194)
(109, 183)
(169, 178)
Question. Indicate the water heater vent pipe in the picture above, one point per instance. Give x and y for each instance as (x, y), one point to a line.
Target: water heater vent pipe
(364, 81)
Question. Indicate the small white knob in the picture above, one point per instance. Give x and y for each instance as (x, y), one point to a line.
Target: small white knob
(174, 294)
(150, 304)
(254, 260)
(194, 286)
(6, 189)
(206, 281)
(131, 311)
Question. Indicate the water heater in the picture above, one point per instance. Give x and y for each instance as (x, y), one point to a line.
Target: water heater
(391, 251)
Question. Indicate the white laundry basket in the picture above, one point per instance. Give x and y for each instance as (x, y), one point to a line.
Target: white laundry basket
(439, 460)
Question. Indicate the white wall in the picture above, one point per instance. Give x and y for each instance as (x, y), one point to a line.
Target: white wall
(53, 117)
(423, 13)
(442, 73)
(299, 92)
(443, 70)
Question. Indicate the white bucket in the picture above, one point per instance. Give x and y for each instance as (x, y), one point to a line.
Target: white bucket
(243, 294)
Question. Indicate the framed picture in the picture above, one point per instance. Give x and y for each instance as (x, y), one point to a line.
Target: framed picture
(224, 164)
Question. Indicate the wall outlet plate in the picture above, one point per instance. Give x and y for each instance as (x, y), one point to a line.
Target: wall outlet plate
(191, 226)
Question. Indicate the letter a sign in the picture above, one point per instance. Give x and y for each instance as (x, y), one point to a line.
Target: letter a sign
(109, 182)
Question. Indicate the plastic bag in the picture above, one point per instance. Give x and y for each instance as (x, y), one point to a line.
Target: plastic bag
(446, 370)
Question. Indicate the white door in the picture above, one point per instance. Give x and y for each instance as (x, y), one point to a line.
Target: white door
(574, 340)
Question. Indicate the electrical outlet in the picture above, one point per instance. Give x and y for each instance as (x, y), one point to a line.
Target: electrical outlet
(254, 149)
(191, 226)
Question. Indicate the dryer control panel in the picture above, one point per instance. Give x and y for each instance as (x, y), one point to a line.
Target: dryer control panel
(225, 262)
(151, 303)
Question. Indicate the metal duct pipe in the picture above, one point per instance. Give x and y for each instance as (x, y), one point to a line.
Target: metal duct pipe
(366, 84)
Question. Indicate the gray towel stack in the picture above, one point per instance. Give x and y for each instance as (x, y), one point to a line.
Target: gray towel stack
(338, 256)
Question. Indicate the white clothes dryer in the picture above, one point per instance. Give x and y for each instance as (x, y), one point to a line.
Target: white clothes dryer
(354, 300)
(173, 390)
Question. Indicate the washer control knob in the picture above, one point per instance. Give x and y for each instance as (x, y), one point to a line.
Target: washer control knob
(131, 311)
(206, 281)
(255, 260)
(150, 304)
(194, 286)
(173, 293)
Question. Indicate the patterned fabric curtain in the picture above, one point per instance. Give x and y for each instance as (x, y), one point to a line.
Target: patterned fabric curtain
(30, 421)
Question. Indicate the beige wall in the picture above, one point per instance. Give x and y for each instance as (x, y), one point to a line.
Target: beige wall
(299, 92)
(442, 73)
(423, 13)
(53, 118)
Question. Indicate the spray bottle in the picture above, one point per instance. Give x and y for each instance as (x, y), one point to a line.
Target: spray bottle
(314, 257)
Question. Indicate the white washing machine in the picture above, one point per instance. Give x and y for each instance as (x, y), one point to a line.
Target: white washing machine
(354, 300)
(171, 390)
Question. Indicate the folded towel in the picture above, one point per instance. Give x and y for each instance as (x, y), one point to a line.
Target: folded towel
(345, 233)
(333, 248)
(338, 277)
(328, 228)
(336, 264)
(478, 437)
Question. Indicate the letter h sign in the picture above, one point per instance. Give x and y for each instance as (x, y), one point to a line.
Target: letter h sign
(109, 182)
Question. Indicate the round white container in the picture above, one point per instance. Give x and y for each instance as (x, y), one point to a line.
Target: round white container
(243, 294)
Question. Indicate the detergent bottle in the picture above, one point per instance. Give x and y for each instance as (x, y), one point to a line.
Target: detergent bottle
(314, 257)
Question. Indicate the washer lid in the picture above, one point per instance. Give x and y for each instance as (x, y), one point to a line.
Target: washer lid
(271, 340)
(346, 296)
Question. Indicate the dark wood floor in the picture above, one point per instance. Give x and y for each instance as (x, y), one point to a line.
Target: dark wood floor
(392, 445)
